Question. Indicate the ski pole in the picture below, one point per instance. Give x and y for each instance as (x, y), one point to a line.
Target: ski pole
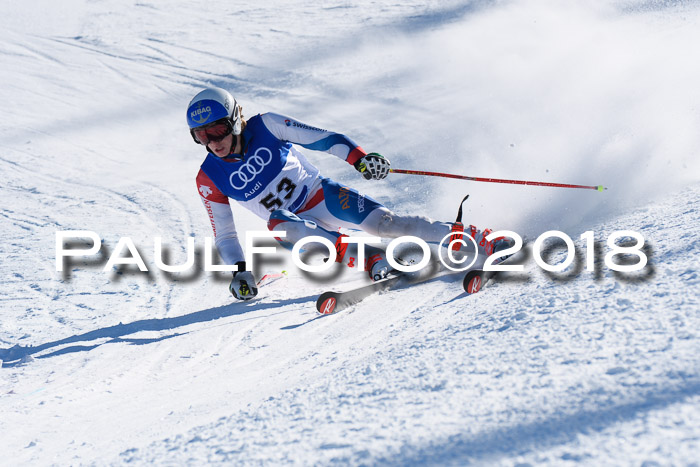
(271, 277)
(496, 180)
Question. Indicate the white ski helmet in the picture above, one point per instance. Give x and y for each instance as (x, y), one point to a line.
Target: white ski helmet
(212, 105)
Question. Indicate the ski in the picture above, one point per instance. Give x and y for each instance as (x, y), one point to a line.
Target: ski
(271, 277)
(332, 302)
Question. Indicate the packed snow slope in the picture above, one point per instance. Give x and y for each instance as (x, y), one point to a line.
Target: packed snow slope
(591, 367)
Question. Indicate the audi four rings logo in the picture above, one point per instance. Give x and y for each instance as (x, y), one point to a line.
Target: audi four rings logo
(248, 171)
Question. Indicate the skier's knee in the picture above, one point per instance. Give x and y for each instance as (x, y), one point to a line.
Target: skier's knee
(392, 225)
(385, 225)
(379, 222)
(280, 217)
(295, 227)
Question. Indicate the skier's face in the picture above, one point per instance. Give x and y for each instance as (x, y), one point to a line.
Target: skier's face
(222, 148)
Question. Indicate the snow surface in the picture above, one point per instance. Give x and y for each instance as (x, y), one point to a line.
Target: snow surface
(590, 367)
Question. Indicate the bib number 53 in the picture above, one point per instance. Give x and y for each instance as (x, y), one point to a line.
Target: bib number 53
(285, 189)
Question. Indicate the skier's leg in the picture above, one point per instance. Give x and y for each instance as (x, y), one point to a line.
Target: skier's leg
(335, 206)
(388, 224)
(384, 223)
(340, 206)
(297, 228)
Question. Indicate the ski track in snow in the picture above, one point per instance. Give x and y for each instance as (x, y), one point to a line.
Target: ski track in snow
(130, 367)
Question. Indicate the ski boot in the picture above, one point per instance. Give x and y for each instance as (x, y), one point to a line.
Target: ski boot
(500, 244)
(379, 268)
(377, 265)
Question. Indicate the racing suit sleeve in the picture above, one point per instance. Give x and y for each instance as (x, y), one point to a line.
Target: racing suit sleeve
(217, 205)
(288, 129)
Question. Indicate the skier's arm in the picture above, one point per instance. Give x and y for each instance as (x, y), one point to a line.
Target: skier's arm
(219, 211)
(288, 129)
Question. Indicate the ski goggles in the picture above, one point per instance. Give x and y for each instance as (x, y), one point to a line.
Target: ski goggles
(213, 132)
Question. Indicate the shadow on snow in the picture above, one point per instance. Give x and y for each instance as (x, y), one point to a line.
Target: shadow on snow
(19, 354)
(558, 429)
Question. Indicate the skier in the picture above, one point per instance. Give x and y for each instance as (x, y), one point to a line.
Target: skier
(256, 163)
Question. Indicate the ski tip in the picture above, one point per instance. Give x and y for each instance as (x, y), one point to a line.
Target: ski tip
(473, 282)
(601, 188)
(326, 305)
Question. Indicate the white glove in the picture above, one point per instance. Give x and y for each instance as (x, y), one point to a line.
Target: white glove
(243, 285)
(373, 166)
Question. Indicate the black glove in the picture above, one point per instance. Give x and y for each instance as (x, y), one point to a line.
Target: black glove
(243, 285)
(373, 166)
